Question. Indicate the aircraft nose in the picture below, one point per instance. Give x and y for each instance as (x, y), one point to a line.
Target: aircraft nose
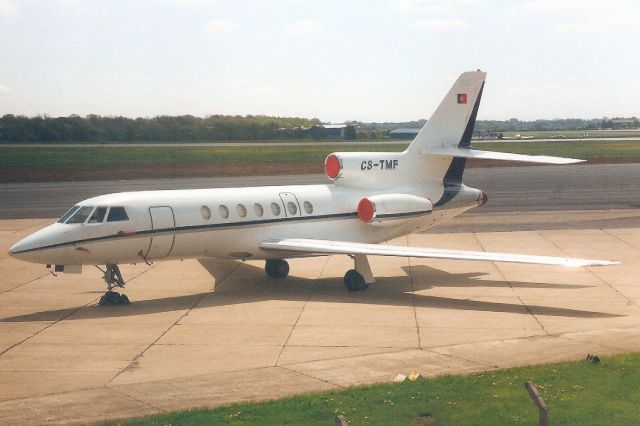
(17, 248)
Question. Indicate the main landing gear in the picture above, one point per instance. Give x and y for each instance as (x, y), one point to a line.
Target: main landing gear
(113, 278)
(277, 268)
(358, 279)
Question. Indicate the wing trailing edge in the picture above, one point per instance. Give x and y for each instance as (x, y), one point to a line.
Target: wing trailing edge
(310, 246)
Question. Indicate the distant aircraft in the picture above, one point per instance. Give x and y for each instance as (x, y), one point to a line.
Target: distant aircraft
(375, 197)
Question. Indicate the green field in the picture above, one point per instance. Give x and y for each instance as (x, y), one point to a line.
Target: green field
(104, 156)
(622, 151)
(576, 393)
(596, 134)
(39, 164)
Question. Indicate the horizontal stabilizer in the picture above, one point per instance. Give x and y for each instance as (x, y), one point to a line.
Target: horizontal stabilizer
(341, 247)
(492, 155)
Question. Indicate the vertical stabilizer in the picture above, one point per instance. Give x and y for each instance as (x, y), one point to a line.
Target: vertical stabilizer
(451, 125)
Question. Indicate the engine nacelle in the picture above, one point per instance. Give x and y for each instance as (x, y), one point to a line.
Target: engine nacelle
(388, 209)
(365, 169)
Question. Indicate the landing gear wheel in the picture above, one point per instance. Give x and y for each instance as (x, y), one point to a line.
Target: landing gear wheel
(277, 268)
(354, 281)
(113, 278)
(113, 298)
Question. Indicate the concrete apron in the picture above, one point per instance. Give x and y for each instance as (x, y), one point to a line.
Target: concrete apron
(205, 333)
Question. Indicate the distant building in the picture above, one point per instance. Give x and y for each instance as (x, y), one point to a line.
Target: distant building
(334, 130)
(624, 123)
(404, 133)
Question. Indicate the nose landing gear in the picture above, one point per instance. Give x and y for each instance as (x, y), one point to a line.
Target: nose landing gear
(113, 278)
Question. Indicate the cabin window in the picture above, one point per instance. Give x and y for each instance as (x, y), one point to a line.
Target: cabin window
(275, 209)
(80, 215)
(258, 210)
(224, 211)
(205, 212)
(308, 207)
(117, 214)
(293, 209)
(98, 215)
(242, 210)
(68, 214)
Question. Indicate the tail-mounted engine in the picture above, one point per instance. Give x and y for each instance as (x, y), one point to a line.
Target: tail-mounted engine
(366, 169)
(388, 209)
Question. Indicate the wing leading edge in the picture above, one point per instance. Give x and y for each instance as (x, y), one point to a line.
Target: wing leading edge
(339, 247)
(506, 156)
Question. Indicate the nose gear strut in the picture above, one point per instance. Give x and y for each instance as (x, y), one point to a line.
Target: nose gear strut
(113, 278)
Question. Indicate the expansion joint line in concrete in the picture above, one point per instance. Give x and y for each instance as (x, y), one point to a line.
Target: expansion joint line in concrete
(310, 376)
(135, 399)
(61, 318)
(510, 284)
(137, 357)
(593, 274)
(606, 231)
(459, 358)
(25, 283)
(413, 299)
(564, 337)
(304, 305)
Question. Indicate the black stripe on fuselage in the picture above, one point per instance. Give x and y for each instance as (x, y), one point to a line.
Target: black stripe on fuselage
(452, 180)
(191, 228)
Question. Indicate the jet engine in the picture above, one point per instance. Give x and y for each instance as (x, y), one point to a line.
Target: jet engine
(365, 169)
(388, 209)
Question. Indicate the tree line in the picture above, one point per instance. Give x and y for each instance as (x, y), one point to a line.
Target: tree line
(96, 128)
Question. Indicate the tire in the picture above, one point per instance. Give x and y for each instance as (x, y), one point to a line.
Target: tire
(124, 300)
(353, 281)
(277, 268)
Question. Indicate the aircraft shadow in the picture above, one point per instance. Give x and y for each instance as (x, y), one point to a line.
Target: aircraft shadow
(249, 284)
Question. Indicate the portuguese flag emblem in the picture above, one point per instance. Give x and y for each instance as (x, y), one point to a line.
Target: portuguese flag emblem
(462, 98)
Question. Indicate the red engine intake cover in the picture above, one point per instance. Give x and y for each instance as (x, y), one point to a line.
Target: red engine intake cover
(366, 210)
(332, 166)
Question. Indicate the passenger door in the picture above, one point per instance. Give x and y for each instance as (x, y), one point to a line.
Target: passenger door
(290, 204)
(161, 244)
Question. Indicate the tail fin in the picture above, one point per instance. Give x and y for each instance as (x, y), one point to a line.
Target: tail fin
(451, 125)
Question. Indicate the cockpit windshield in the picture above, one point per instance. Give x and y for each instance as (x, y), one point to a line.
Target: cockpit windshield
(80, 215)
(68, 214)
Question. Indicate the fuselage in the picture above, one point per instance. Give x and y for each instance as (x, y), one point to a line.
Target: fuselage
(223, 223)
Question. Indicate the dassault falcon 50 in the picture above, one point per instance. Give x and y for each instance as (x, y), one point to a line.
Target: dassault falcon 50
(374, 197)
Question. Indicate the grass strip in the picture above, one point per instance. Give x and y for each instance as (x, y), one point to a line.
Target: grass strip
(575, 392)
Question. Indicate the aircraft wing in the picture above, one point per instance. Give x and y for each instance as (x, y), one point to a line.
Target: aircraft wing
(493, 155)
(339, 247)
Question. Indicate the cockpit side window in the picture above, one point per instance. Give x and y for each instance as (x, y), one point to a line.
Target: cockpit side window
(80, 215)
(98, 215)
(117, 214)
(68, 214)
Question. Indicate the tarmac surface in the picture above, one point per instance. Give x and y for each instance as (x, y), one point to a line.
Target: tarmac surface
(523, 188)
(205, 333)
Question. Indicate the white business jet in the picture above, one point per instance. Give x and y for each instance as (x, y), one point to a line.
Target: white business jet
(374, 197)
